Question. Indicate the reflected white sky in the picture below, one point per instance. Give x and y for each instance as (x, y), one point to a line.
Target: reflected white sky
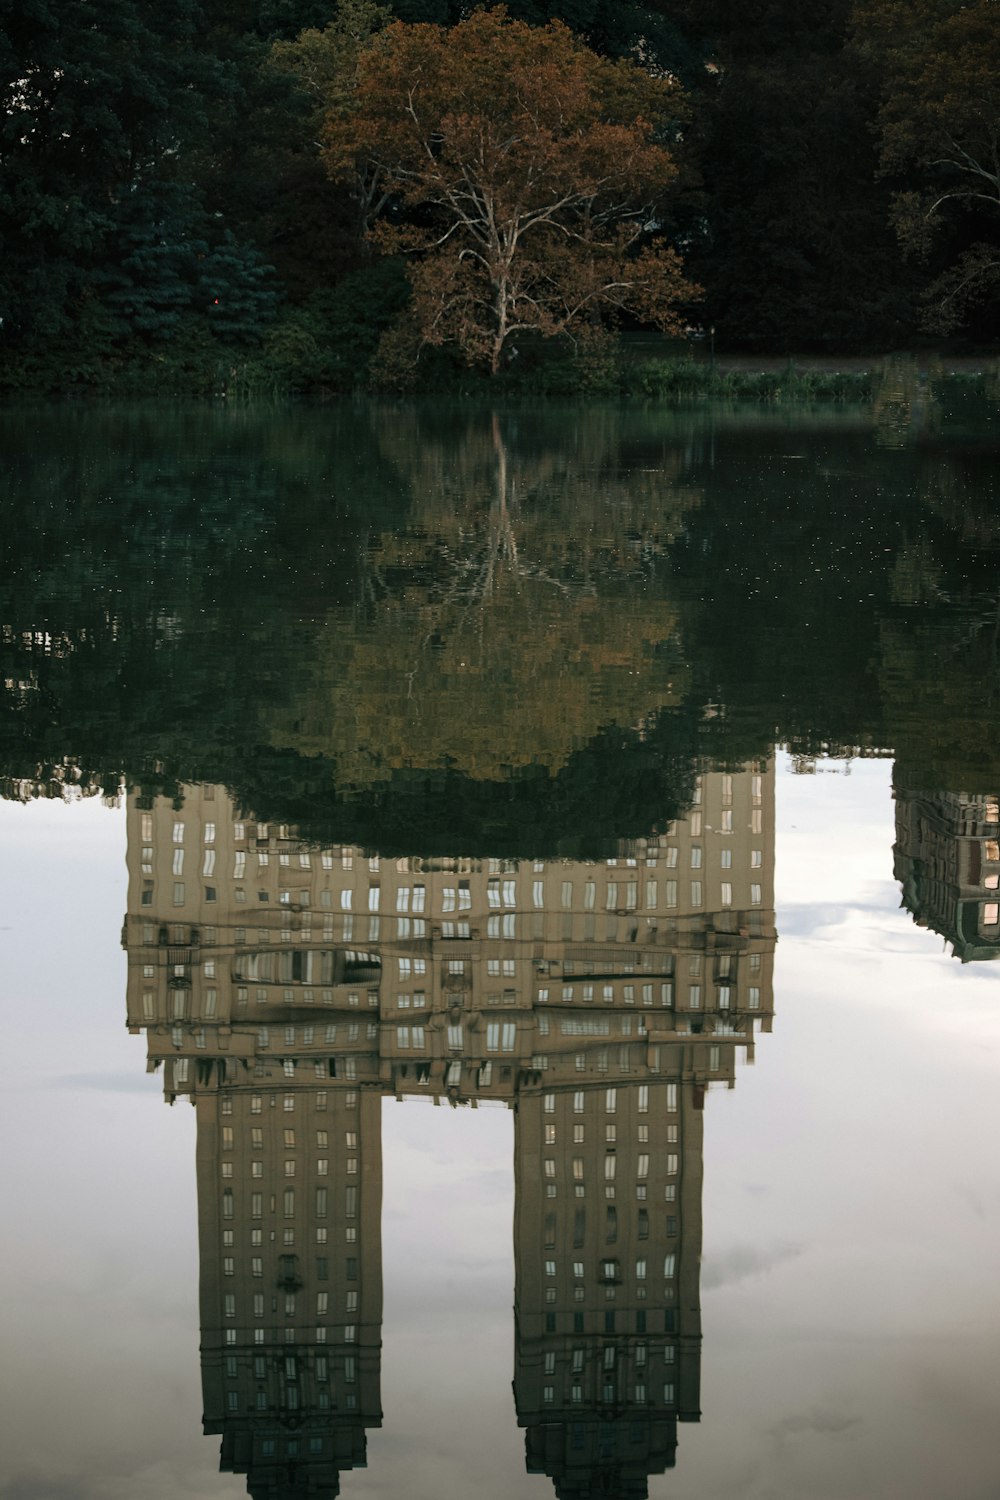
(851, 1211)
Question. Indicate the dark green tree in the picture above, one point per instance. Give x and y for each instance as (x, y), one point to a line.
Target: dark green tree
(94, 101)
(154, 258)
(938, 66)
(236, 292)
(791, 239)
(651, 32)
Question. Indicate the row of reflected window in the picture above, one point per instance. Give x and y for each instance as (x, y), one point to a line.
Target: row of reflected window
(499, 1036)
(290, 1401)
(648, 994)
(609, 1394)
(288, 1239)
(289, 1204)
(497, 926)
(346, 1334)
(638, 1166)
(610, 1227)
(598, 1061)
(617, 894)
(610, 1272)
(322, 1266)
(272, 966)
(321, 1167)
(288, 1138)
(292, 1448)
(291, 1303)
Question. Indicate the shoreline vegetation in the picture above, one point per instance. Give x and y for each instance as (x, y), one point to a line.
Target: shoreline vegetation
(678, 377)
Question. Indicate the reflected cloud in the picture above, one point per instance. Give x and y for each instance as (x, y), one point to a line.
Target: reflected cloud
(743, 1262)
(816, 918)
(120, 1482)
(34, 1487)
(972, 1197)
(105, 1083)
(825, 1424)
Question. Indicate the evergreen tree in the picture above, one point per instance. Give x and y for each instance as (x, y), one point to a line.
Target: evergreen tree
(94, 103)
(235, 289)
(149, 283)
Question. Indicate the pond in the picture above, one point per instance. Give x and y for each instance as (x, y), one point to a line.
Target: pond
(442, 809)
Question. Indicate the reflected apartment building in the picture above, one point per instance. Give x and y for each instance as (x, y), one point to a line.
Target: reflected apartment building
(284, 989)
(947, 859)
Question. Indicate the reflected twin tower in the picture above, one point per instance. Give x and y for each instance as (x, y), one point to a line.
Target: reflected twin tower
(286, 988)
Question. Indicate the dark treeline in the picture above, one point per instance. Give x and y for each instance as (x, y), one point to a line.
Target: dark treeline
(430, 652)
(167, 221)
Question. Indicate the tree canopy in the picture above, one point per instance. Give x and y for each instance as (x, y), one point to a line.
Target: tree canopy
(939, 134)
(828, 172)
(526, 173)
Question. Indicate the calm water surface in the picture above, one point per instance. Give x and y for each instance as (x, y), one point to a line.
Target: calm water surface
(441, 810)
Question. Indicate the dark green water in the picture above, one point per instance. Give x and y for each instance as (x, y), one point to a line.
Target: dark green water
(637, 731)
(326, 608)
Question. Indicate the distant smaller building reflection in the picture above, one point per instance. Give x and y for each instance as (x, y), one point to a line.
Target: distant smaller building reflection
(947, 860)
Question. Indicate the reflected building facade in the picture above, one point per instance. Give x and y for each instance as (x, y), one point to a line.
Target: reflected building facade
(947, 859)
(284, 989)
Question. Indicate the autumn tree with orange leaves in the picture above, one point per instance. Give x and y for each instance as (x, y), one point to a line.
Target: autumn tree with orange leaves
(527, 176)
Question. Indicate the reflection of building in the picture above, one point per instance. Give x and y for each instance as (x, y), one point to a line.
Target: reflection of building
(608, 1149)
(289, 1192)
(284, 989)
(289, 1147)
(947, 859)
(608, 1240)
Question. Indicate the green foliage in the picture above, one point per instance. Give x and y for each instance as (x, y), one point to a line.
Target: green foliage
(162, 271)
(106, 242)
(427, 12)
(684, 380)
(605, 792)
(92, 100)
(81, 356)
(654, 32)
(362, 305)
(285, 19)
(600, 369)
(235, 292)
(328, 343)
(148, 283)
(324, 62)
